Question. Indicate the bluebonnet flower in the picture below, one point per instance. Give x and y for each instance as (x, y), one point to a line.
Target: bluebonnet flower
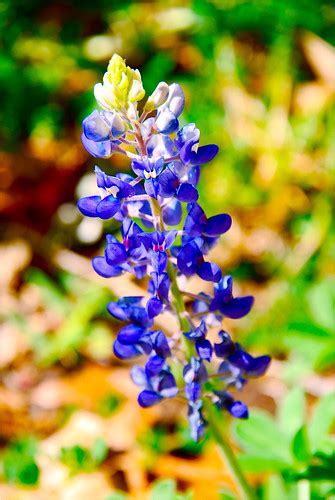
(162, 191)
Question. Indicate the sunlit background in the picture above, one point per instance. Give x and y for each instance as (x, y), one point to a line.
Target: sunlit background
(259, 79)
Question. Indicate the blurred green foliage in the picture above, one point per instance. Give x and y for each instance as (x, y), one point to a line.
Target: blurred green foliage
(259, 80)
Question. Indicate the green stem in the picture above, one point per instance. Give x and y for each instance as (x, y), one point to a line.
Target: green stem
(213, 418)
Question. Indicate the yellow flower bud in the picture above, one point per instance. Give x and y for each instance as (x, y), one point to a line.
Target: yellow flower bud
(121, 86)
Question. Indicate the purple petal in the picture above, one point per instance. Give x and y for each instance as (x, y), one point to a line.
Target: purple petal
(148, 398)
(154, 307)
(193, 391)
(218, 224)
(238, 409)
(172, 213)
(88, 205)
(238, 307)
(205, 154)
(209, 271)
(115, 254)
(204, 349)
(167, 386)
(187, 193)
(154, 365)
(102, 268)
(259, 366)
(123, 351)
(108, 207)
(160, 344)
(130, 334)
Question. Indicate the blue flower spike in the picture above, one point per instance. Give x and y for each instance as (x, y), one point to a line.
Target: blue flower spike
(164, 234)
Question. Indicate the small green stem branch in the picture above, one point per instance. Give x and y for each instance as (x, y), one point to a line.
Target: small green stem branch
(214, 420)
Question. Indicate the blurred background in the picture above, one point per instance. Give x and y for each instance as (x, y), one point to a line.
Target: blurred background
(259, 79)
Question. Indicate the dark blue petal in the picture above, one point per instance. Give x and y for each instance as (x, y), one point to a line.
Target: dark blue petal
(102, 268)
(209, 271)
(115, 254)
(154, 365)
(148, 398)
(123, 351)
(205, 154)
(130, 334)
(154, 307)
(172, 213)
(259, 366)
(167, 386)
(193, 391)
(238, 409)
(160, 344)
(238, 307)
(188, 259)
(218, 224)
(88, 205)
(168, 183)
(187, 193)
(194, 175)
(108, 207)
(241, 360)
(204, 349)
(226, 347)
(195, 221)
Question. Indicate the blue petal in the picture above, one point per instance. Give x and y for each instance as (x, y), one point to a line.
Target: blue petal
(172, 213)
(154, 365)
(160, 344)
(218, 224)
(193, 391)
(97, 149)
(115, 254)
(88, 205)
(209, 271)
(95, 127)
(148, 398)
(102, 268)
(167, 386)
(130, 334)
(205, 154)
(166, 121)
(154, 307)
(187, 193)
(238, 307)
(238, 409)
(108, 207)
(123, 351)
(259, 366)
(204, 349)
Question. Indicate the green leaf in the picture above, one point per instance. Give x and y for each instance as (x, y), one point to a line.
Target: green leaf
(322, 420)
(99, 451)
(164, 490)
(274, 489)
(19, 464)
(260, 436)
(117, 495)
(300, 445)
(321, 300)
(292, 411)
(256, 463)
